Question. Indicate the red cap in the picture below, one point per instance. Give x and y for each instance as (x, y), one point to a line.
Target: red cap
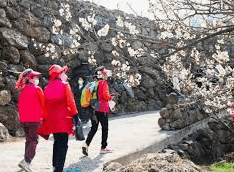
(56, 70)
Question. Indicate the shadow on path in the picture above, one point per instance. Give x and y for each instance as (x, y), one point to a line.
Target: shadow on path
(87, 164)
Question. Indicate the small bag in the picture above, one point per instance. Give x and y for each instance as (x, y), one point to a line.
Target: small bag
(79, 133)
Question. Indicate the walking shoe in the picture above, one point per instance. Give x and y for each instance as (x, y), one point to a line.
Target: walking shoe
(25, 165)
(106, 150)
(85, 149)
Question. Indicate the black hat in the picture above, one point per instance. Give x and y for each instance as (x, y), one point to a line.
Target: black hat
(100, 68)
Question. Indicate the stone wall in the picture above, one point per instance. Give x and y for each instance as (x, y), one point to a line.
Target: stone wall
(38, 33)
(206, 145)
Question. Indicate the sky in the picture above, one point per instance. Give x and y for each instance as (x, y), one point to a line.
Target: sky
(139, 6)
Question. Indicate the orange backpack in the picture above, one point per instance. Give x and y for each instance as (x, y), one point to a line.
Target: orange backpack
(86, 95)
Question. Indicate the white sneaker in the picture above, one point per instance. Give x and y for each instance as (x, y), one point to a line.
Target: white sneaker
(25, 165)
(106, 150)
(85, 149)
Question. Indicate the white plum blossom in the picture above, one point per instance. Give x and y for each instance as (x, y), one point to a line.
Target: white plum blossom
(116, 63)
(92, 19)
(104, 31)
(132, 52)
(115, 53)
(120, 22)
(221, 70)
(65, 11)
(166, 34)
(87, 26)
(125, 67)
(221, 56)
(92, 60)
(131, 28)
(114, 41)
(56, 27)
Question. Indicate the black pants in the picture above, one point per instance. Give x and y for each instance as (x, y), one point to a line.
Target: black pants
(103, 119)
(59, 151)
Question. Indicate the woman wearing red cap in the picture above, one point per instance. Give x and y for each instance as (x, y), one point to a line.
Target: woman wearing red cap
(30, 105)
(59, 110)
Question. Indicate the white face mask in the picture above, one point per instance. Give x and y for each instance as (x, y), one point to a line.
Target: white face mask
(36, 81)
(80, 82)
(63, 77)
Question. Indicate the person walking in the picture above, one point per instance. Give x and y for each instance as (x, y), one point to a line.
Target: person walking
(30, 106)
(59, 110)
(84, 113)
(101, 114)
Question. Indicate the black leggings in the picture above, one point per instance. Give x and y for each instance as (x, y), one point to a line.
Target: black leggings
(103, 119)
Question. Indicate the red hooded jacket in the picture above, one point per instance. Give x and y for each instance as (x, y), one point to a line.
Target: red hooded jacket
(103, 96)
(30, 104)
(59, 108)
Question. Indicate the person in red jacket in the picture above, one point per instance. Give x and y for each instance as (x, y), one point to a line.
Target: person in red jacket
(101, 114)
(59, 110)
(30, 106)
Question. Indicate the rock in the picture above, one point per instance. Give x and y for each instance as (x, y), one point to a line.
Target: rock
(4, 134)
(48, 50)
(42, 60)
(150, 71)
(9, 118)
(28, 59)
(16, 69)
(106, 46)
(128, 89)
(151, 92)
(3, 3)
(2, 13)
(5, 97)
(41, 34)
(178, 124)
(13, 38)
(148, 82)
(64, 40)
(11, 54)
(3, 65)
(140, 95)
(10, 82)
(4, 22)
(19, 133)
(137, 45)
(43, 69)
(224, 136)
(164, 113)
(161, 122)
(172, 98)
(2, 81)
(176, 114)
(113, 166)
(25, 4)
(161, 162)
(11, 13)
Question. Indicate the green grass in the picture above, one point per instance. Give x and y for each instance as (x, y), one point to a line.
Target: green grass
(222, 167)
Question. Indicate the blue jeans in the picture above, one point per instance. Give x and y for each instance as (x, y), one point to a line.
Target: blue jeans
(103, 119)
